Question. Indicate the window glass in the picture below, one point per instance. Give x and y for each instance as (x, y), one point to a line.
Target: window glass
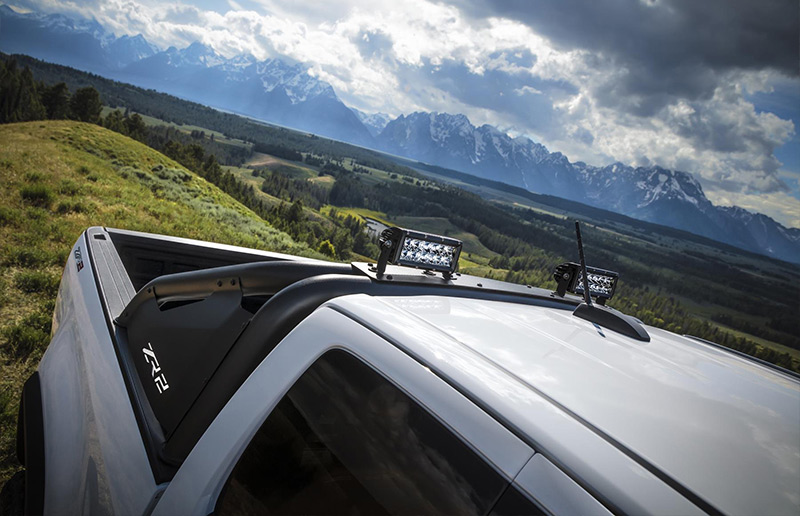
(514, 503)
(344, 440)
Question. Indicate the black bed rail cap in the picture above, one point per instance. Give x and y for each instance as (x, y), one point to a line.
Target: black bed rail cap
(257, 278)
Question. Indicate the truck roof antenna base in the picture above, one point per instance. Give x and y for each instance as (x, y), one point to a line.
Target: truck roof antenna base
(612, 320)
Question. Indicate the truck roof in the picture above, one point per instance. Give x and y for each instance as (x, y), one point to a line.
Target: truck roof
(701, 417)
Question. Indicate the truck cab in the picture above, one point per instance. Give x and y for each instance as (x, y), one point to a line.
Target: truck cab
(196, 378)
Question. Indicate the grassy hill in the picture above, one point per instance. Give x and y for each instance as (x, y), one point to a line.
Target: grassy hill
(58, 178)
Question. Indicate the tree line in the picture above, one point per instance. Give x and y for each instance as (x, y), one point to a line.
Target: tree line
(24, 99)
(283, 187)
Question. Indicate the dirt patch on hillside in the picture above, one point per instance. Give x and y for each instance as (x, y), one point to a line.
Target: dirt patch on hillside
(262, 160)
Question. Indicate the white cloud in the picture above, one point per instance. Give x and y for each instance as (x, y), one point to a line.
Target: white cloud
(390, 57)
(527, 90)
(722, 140)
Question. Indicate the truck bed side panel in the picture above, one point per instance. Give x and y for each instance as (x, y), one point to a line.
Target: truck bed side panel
(94, 454)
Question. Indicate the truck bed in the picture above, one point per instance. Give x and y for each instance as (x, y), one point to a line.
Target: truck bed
(124, 262)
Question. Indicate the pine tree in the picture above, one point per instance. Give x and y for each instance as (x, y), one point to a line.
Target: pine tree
(19, 95)
(115, 122)
(135, 127)
(295, 213)
(9, 89)
(31, 107)
(56, 101)
(85, 105)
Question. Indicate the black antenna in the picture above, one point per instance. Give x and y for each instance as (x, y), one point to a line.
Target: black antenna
(586, 296)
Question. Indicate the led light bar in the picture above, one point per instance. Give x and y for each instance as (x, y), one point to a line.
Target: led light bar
(602, 283)
(420, 250)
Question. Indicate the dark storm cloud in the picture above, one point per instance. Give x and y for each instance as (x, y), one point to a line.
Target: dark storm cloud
(663, 49)
(643, 89)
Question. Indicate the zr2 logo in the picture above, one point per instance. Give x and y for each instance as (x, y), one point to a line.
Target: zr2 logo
(78, 259)
(150, 358)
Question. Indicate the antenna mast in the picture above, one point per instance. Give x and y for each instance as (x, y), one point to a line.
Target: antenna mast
(586, 296)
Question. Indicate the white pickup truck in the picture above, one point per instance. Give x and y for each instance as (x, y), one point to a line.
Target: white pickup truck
(186, 377)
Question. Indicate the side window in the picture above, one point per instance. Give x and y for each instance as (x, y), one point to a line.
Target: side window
(514, 503)
(345, 440)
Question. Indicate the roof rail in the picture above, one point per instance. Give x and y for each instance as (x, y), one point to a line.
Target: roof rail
(775, 367)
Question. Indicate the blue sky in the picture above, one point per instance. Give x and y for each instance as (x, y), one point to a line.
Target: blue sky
(784, 101)
(710, 87)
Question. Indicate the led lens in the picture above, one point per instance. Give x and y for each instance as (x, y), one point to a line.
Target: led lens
(599, 284)
(422, 252)
(417, 249)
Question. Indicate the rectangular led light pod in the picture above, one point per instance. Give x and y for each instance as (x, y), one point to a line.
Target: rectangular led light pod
(602, 283)
(420, 250)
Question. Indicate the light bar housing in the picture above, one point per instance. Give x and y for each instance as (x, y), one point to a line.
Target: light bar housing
(602, 283)
(419, 250)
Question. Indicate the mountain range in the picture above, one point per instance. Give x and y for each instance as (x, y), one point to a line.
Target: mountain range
(272, 90)
(287, 94)
(80, 43)
(653, 194)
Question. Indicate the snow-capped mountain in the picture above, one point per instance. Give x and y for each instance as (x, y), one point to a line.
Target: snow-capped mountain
(295, 81)
(374, 122)
(762, 233)
(126, 50)
(61, 24)
(195, 55)
(653, 194)
(452, 141)
(273, 89)
(80, 43)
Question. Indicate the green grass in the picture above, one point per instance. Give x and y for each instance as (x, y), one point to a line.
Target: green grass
(358, 212)
(184, 128)
(326, 181)
(293, 170)
(478, 265)
(705, 312)
(31, 281)
(289, 168)
(245, 175)
(57, 179)
(37, 195)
